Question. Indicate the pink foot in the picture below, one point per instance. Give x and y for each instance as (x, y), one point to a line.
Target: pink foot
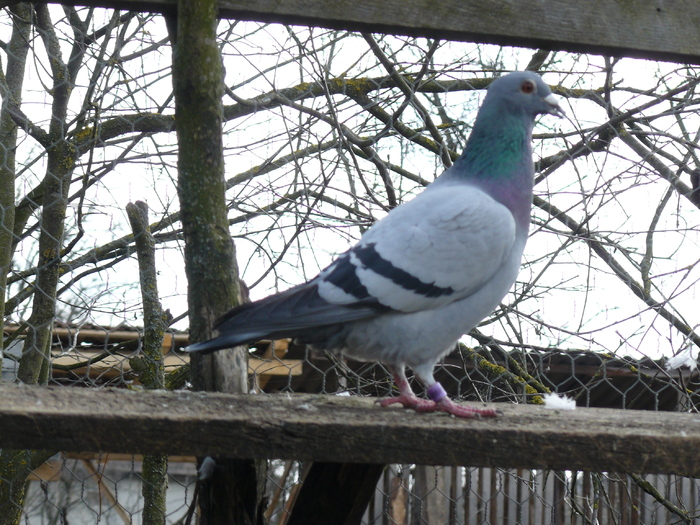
(409, 401)
(443, 404)
(446, 405)
(439, 402)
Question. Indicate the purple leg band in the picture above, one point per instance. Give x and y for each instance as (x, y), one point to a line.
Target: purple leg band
(437, 393)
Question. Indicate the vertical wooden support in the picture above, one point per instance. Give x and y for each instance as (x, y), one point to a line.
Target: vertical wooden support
(335, 493)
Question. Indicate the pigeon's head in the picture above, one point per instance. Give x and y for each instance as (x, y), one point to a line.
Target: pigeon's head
(498, 154)
(523, 91)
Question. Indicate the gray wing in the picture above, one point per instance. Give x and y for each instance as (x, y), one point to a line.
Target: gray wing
(441, 247)
(436, 249)
(296, 313)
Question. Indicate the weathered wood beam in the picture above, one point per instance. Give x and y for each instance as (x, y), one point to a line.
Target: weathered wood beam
(104, 335)
(348, 429)
(119, 364)
(638, 28)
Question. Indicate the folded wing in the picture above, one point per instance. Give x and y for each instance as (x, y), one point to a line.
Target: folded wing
(436, 249)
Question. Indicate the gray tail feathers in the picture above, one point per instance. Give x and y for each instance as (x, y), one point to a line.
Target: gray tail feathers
(299, 312)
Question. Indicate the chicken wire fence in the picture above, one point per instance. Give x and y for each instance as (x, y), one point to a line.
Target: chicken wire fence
(102, 489)
(107, 488)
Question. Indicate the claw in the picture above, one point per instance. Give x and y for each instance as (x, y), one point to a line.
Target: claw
(409, 401)
(445, 405)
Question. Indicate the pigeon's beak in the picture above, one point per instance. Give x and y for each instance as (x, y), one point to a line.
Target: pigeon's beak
(554, 107)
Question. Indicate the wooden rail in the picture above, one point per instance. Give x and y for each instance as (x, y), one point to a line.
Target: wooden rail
(651, 29)
(272, 364)
(348, 429)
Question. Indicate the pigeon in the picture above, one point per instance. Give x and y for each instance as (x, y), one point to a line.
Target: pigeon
(430, 270)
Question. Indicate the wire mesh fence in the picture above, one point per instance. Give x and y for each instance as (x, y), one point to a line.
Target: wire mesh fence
(92, 488)
(107, 488)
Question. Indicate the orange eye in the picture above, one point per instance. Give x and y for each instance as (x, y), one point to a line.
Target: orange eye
(527, 87)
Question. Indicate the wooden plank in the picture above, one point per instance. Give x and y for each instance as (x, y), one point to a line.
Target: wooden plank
(275, 367)
(638, 28)
(120, 364)
(106, 335)
(349, 429)
(272, 365)
(49, 471)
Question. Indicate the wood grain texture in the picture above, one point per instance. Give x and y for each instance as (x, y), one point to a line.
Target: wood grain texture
(653, 29)
(348, 429)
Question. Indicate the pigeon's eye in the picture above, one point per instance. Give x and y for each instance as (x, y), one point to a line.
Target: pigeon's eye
(527, 87)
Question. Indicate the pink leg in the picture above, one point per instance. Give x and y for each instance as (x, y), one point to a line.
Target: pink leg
(406, 396)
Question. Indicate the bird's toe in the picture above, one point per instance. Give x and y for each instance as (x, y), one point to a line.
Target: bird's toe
(408, 401)
(465, 411)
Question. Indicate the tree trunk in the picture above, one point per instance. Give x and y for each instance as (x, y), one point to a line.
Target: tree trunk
(15, 465)
(233, 494)
(61, 157)
(150, 365)
(11, 94)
